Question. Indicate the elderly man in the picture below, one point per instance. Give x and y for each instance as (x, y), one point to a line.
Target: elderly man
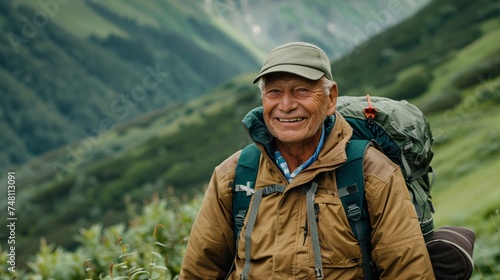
(303, 140)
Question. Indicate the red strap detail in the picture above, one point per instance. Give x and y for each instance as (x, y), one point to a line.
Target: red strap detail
(370, 111)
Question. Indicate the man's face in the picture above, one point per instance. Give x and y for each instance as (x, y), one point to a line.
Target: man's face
(295, 107)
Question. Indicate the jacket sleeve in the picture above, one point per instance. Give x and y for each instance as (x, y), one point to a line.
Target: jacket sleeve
(399, 250)
(210, 248)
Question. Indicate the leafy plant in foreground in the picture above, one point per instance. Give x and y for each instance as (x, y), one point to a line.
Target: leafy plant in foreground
(487, 253)
(119, 252)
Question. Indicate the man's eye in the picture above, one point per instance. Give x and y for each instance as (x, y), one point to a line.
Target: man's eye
(273, 92)
(302, 91)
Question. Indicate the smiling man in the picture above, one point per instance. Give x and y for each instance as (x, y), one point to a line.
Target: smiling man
(294, 111)
(302, 142)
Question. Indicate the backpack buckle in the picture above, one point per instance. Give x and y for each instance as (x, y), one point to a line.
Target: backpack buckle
(239, 220)
(354, 212)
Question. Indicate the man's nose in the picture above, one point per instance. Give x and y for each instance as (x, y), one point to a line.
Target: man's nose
(288, 102)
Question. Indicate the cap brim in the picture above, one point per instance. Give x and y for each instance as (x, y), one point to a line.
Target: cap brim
(306, 72)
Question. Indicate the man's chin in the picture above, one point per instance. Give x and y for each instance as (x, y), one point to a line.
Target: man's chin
(290, 139)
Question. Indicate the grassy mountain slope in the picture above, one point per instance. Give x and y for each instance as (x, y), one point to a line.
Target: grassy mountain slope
(172, 151)
(410, 51)
(79, 62)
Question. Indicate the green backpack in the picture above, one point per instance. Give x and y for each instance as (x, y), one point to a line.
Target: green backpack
(402, 132)
(404, 135)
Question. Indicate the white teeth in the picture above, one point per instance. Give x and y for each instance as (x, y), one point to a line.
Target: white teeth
(291, 120)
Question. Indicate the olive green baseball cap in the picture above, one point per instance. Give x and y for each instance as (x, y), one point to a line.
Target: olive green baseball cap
(299, 58)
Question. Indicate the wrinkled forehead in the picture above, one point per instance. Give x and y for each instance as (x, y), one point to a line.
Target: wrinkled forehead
(285, 77)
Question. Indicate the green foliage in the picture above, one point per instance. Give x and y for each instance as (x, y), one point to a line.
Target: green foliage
(151, 247)
(55, 263)
(424, 40)
(470, 76)
(411, 84)
(466, 162)
(439, 103)
(486, 253)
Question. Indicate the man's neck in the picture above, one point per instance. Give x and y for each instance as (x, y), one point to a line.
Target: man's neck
(297, 153)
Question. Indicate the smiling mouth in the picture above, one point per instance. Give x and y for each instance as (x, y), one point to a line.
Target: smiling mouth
(291, 120)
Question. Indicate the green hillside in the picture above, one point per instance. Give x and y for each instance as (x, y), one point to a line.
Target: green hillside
(445, 60)
(83, 62)
(168, 152)
(77, 63)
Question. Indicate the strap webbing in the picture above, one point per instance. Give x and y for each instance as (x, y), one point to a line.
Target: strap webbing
(252, 217)
(254, 209)
(364, 240)
(244, 183)
(314, 230)
(350, 184)
(405, 165)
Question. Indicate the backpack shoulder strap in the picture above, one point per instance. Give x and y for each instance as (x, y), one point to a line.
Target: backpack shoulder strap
(244, 183)
(351, 187)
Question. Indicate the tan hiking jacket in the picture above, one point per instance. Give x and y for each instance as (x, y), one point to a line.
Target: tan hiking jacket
(281, 248)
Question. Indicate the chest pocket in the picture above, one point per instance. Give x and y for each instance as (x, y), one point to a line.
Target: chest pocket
(339, 247)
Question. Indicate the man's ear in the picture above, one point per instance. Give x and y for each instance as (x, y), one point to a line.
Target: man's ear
(334, 93)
